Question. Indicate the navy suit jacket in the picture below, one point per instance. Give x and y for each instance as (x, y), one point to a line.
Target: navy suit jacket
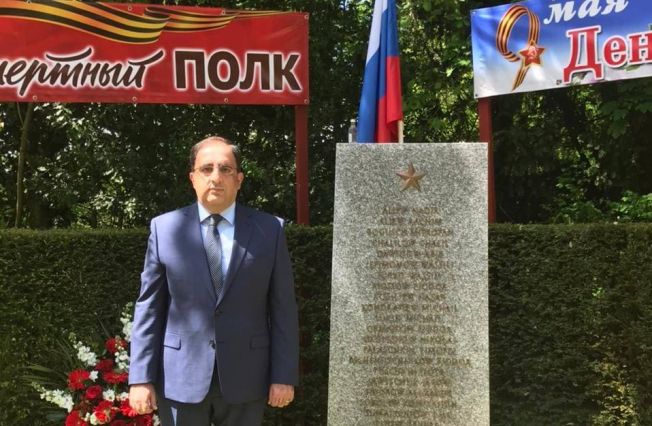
(180, 328)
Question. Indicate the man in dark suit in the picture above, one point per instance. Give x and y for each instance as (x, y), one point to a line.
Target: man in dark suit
(215, 330)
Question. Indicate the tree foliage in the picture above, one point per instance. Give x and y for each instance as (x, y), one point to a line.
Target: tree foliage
(570, 155)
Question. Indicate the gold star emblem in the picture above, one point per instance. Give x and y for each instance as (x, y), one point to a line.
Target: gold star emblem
(410, 178)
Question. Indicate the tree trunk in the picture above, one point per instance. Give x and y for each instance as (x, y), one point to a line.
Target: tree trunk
(20, 186)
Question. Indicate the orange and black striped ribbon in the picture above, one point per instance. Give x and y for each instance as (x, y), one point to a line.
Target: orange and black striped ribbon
(106, 21)
(504, 31)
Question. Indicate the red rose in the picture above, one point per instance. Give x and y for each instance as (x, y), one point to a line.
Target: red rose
(114, 344)
(73, 419)
(76, 379)
(101, 417)
(144, 420)
(105, 411)
(104, 365)
(93, 392)
(126, 409)
(104, 405)
(115, 378)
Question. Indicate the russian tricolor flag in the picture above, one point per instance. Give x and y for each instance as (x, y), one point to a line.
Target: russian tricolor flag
(380, 103)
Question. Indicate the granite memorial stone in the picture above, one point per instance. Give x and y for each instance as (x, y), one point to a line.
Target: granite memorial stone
(409, 308)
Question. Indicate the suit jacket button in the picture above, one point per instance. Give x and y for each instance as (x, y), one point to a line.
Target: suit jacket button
(212, 342)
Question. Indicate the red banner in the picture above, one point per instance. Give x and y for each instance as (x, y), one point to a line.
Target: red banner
(69, 51)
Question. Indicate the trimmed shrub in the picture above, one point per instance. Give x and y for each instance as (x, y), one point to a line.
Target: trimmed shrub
(571, 325)
(570, 317)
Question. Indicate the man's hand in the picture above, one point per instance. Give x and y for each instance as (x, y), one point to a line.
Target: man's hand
(142, 398)
(280, 395)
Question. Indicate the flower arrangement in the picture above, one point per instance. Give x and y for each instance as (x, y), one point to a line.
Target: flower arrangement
(98, 393)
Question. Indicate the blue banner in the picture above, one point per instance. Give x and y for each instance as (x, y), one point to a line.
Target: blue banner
(543, 44)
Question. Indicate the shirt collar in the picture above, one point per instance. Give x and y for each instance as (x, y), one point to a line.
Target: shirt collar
(228, 213)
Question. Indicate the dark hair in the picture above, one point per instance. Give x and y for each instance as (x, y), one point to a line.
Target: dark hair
(196, 147)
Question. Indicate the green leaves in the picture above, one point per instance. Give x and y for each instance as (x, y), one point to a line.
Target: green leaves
(559, 154)
(569, 325)
(632, 207)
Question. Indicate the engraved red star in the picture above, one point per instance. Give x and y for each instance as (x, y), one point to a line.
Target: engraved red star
(532, 54)
(411, 178)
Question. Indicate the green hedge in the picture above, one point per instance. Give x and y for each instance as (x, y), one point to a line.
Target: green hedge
(571, 325)
(570, 317)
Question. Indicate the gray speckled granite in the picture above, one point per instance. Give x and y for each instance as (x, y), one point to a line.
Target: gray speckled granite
(409, 307)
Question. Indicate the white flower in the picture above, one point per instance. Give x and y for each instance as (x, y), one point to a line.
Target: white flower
(125, 319)
(122, 359)
(122, 396)
(85, 355)
(109, 395)
(93, 375)
(57, 397)
(156, 421)
(126, 330)
(123, 366)
(93, 420)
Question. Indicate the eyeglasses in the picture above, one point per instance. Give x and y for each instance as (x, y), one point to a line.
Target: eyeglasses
(207, 170)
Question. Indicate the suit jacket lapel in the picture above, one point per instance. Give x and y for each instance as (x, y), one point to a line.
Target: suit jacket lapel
(243, 228)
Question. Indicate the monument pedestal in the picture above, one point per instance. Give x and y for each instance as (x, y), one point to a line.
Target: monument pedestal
(409, 308)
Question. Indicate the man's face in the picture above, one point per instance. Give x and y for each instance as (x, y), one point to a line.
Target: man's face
(216, 189)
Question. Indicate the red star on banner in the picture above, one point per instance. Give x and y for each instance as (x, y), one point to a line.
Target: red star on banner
(532, 55)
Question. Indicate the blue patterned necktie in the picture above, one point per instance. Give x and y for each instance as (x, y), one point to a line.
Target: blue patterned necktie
(214, 253)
